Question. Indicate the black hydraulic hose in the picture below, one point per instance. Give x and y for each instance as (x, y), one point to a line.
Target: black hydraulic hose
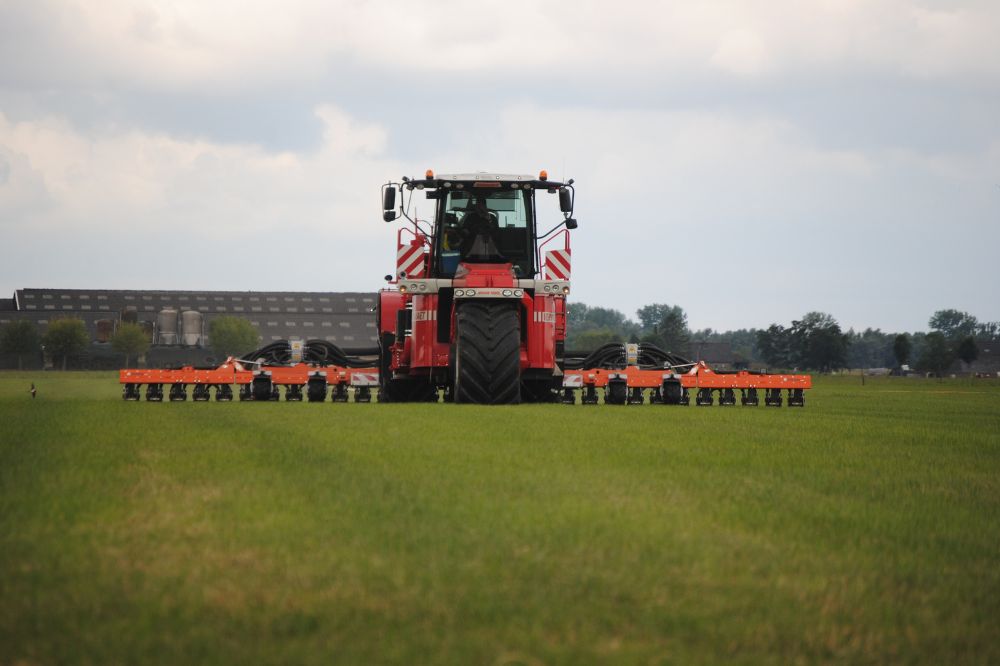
(612, 356)
(315, 352)
(609, 356)
(652, 357)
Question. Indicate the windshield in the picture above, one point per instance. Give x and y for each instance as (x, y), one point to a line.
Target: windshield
(485, 226)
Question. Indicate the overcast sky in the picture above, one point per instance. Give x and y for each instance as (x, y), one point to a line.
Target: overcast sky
(748, 161)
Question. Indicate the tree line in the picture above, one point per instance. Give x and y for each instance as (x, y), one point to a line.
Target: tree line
(816, 341)
(813, 342)
(67, 338)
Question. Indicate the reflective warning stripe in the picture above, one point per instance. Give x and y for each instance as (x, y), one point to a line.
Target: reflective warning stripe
(573, 381)
(425, 315)
(557, 265)
(545, 317)
(364, 379)
(410, 259)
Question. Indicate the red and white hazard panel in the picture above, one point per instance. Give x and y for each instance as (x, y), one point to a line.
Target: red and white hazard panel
(557, 265)
(364, 379)
(410, 259)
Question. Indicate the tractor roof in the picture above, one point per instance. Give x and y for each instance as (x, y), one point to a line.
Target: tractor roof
(438, 180)
(484, 175)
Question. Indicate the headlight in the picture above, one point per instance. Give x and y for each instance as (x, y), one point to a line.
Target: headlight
(460, 292)
(519, 293)
(508, 293)
(470, 292)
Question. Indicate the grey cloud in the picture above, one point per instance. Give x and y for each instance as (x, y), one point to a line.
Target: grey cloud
(843, 157)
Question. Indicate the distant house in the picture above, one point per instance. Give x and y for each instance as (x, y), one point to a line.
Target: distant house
(718, 355)
(342, 318)
(987, 363)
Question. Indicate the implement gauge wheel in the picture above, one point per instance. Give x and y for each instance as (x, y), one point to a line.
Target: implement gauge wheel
(487, 353)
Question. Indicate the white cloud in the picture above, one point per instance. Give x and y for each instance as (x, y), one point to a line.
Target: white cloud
(178, 213)
(662, 190)
(222, 46)
(110, 181)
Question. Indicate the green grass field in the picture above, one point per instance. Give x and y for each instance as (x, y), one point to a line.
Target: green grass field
(863, 528)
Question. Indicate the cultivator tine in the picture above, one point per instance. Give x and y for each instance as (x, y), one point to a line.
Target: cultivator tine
(200, 393)
(363, 394)
(796, 398)
(223, 393)
(748, 397)
(293, 393)
(568, 396)
(772, 397)
(261, 387)
(246, 392)
(316, 387)
(178, 393)
(671, 391)
(339, 393)
(727, 397)
(616, 392)
(130, 392)
(589, 395)
(704, 397)
(635, 396)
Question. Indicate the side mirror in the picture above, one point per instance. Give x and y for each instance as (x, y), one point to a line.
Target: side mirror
(388, 198)
(565, 200)
(389, 216)
(571, 223)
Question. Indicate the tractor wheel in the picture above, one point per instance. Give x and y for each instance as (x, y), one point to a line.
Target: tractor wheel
(487, 353)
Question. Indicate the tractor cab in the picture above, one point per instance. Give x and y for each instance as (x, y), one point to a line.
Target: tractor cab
(480, 218)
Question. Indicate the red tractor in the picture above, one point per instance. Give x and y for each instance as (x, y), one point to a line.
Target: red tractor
(477, 307)
(478, 303)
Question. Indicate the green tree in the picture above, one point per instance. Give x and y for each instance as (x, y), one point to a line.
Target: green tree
(130, 340)
(870, 348)
(743, 342)
(651, 315)
(65, 338)
(592, 339)
(988, 331)
(674, 331)
(954, 324)
(817, 342)
(967, 350)
(665, 326)
(232, 336)
(901, 348)
(773, 345)
(936, 355)
(581, 319)
(20, 338)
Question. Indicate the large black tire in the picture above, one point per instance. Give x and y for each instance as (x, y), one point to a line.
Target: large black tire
(487, 353)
